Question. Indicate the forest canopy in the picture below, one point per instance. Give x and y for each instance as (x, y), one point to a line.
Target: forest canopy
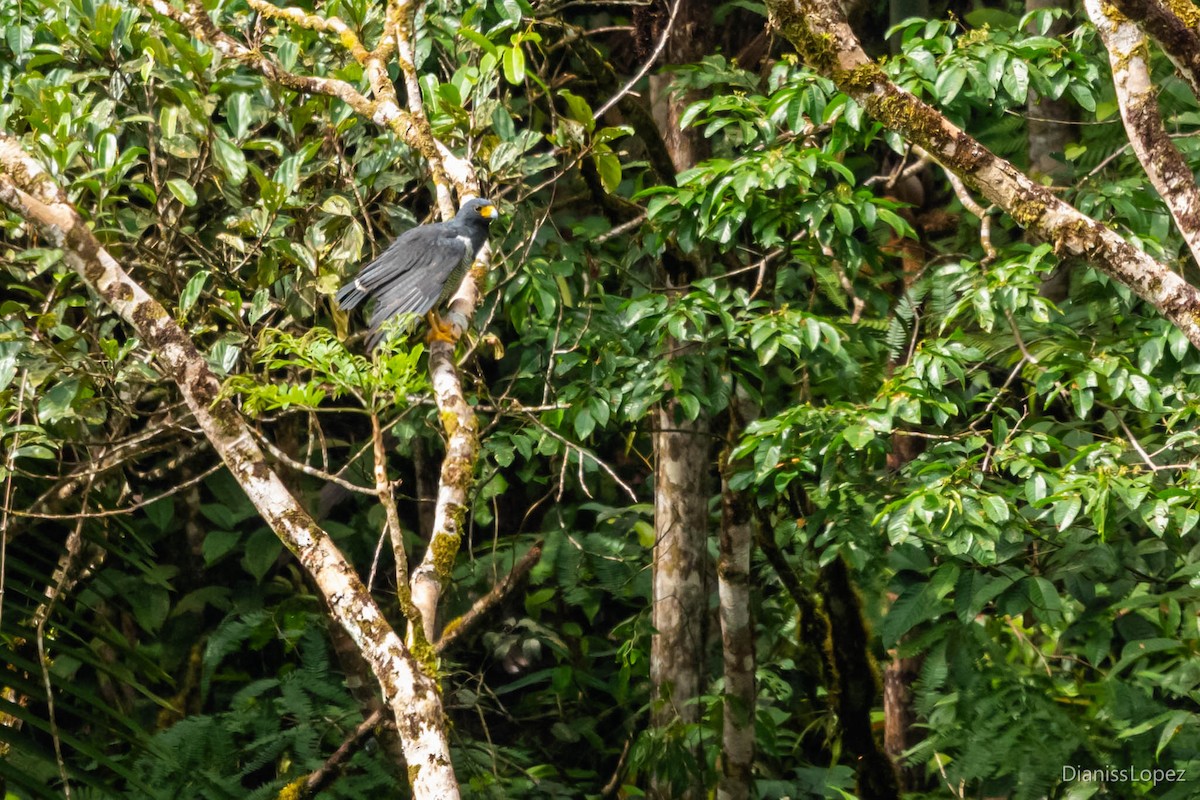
(820, 421)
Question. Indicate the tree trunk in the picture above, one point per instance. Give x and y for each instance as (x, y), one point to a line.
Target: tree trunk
(898, 731)
(681, 447)
(679, 592)
(737, 633)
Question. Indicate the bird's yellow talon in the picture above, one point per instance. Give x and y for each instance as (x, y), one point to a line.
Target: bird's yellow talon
(439, 331)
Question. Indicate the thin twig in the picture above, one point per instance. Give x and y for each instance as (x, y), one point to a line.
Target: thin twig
(300, 466)
(383, 488)
(483, 605)
(321, 775)
(115, 512)
(583, 452)
(618, 230)
(641, 73)
(970, 204)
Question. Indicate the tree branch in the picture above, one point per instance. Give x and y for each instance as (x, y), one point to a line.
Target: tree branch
(1169, 173)
(819, 31)
(483, 605)
(29, 190)
(1176, 28)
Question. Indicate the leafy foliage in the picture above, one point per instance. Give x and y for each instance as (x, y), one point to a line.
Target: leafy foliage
(1010, 477)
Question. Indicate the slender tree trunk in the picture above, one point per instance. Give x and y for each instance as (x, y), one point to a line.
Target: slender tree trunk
(737, 633)
(857, 684)
(679, 592)
(899, 717)
(681, 448)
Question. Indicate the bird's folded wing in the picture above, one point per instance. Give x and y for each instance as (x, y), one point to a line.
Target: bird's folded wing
(418, 288)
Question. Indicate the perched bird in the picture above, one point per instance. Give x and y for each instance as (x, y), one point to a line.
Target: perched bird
(420, 270)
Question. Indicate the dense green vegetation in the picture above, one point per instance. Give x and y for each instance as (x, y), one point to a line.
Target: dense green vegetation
(1007, 471)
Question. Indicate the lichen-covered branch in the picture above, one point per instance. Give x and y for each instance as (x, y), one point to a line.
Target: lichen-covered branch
(197, 22)
(448, 170)
(27, 189)
(818, 29)
(457, 416)
(1175, 25)
(1137, 96)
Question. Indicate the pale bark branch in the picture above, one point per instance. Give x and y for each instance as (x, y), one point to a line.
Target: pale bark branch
(1169, 173)
(28, 189)
(1175, 25)
(819, 30)
(458, 418)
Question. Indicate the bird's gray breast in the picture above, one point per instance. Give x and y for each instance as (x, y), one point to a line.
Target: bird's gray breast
(460, 269)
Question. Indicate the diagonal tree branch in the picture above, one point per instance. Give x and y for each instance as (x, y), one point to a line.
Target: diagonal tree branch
(411, 125)
(819, 31)
(28, 189)
(1175, 25)
(1169, 173)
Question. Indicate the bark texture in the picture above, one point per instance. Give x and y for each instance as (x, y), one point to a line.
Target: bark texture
(681, 447)
(1169, 173)
(737, 634)
(680, 596)
(413, 696)
(819, 31)
(1175, 25)
(857, 684)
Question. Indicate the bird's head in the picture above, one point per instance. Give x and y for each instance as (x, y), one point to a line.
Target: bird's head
(478, 208)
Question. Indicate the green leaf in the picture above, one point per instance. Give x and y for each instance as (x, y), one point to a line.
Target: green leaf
(514, 65)
(949, 83)
(1174, 724)
(1016, 79)
(842, 219)
(183, 191)
(1065, 512)
(260, 305)
(579, 110)
(585, 423)
(1084, 95)
(230, 159)
(995, 508)
(1045, 600)
(609, 167)
(57, 404)
(191, 291)
(217, 544)
(262, 550)
(857, 436)
(478, 39)
(337, 204)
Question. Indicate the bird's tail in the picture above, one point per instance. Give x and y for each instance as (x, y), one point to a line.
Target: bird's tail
(350, 295)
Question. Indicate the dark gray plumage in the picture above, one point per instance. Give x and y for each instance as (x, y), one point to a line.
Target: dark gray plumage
(421, 269)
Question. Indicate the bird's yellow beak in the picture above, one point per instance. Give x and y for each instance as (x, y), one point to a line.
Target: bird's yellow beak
(488, 211)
